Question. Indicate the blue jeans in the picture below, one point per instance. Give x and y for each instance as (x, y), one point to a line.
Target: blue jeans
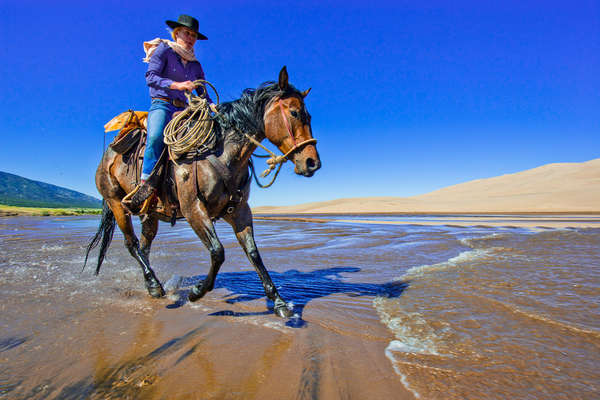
(159, 115)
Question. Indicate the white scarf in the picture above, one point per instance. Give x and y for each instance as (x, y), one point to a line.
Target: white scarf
(149, 47)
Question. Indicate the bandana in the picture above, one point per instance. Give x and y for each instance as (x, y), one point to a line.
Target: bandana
(149, 47)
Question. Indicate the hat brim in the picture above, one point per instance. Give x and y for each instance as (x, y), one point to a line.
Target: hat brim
(175, 24)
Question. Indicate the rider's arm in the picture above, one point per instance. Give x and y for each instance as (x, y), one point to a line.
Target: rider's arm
(156, 66)
(199, 90)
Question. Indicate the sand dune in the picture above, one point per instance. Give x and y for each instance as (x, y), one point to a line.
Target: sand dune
(560, 187)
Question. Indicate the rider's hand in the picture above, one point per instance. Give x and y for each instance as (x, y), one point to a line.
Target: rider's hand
(213, 107)
(187, 85)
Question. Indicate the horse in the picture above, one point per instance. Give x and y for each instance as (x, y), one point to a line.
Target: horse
(201, 189)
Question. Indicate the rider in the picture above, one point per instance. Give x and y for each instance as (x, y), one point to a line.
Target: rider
(172, 70)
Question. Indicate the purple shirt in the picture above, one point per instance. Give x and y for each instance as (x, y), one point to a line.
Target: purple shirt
(165, 67)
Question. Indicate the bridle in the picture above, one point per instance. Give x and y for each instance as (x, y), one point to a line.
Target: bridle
(275, 159)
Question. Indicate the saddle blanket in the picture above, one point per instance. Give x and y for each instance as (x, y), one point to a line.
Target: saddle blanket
(119, 122)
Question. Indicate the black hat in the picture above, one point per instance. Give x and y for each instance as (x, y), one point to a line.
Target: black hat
(188, 22)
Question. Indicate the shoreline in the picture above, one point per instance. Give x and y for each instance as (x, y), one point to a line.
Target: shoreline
(436, 213)
(508, 220)
(17, 211)
(528, 219)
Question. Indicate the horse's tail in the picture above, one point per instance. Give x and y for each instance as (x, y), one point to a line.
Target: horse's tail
(105, 233)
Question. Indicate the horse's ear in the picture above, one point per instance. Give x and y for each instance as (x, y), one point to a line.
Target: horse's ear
(283, 78)
(305, 93)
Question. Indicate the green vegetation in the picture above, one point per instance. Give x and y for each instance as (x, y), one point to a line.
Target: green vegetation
(44, 211)
(23, 192)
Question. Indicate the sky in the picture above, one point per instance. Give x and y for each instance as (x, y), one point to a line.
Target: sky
(407, 97)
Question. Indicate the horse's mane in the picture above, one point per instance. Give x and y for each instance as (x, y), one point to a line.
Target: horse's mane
(246, 114)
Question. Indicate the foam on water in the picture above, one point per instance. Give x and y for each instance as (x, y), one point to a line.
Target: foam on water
(465, 256)
(51, 248)
(340, 243)
(173, 283)
(396, 345)
(276, 325)
(413, 333)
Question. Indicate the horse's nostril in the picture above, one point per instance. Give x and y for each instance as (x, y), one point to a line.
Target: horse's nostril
(312, 165)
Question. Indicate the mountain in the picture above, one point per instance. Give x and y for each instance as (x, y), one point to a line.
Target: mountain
(561, 187)
(18, 191)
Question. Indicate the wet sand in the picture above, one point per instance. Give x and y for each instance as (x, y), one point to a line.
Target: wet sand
(392, 309)
(152, 352)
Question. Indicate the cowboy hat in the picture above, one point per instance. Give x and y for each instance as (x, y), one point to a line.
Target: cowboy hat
(188, 22)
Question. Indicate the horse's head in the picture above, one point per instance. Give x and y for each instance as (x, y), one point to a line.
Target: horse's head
(287, 126)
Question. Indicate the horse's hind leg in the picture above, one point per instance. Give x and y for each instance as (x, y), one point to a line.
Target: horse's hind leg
(153, 285)
(149, 230)
(241, 223)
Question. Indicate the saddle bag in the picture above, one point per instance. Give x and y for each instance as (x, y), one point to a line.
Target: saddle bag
(126, 140)
(131, 131)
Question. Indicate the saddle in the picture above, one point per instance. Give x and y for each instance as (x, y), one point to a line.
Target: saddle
(130, 125)
(130, 143)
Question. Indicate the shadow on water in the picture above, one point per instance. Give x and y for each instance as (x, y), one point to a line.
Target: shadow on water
(295, 286)
(11, 343)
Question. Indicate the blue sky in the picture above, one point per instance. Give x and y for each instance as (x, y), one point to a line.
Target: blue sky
(406, 98)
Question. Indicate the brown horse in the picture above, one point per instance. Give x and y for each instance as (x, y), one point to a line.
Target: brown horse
(201, 189)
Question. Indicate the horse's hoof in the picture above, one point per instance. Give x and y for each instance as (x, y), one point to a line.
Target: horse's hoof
(196, 294)
(283, 311)
(156, 291)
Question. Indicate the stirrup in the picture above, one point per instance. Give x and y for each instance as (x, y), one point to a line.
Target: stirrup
(149, 204)
(127, 199)
(139, 199)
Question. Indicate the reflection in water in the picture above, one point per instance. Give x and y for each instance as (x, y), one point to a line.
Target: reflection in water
(132, 376)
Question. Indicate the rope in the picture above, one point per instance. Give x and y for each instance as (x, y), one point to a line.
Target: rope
(251, 164)
(192, 128)
(275, 159)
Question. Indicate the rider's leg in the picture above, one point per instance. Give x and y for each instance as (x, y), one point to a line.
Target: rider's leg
(159, 115)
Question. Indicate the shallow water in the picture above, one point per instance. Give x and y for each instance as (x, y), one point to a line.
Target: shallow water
(382, 311)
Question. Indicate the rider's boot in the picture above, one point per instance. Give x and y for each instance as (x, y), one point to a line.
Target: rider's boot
(139, 199)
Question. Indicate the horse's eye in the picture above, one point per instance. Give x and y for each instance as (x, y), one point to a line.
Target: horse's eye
(295, 114)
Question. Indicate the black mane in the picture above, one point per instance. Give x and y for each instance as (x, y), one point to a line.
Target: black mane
(246, 114)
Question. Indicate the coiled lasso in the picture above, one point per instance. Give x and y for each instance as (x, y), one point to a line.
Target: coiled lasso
(192, 127)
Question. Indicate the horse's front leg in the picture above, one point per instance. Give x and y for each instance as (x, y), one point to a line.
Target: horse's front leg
(197, 216)
(241, 223)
